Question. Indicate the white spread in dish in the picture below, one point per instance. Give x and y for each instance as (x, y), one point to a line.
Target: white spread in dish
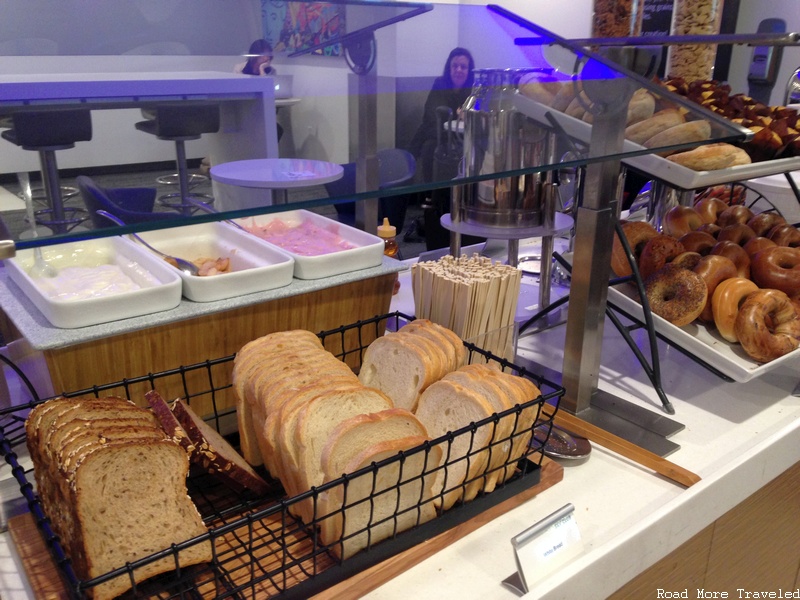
(305, 239)
(81, 283)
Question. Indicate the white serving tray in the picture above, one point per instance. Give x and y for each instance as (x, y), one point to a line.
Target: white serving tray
(255, 265)
(367, 253)
(700, 341)
(161, 285)
(652, 164)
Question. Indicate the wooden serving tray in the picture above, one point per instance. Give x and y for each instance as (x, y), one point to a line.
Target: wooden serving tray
(46, 583)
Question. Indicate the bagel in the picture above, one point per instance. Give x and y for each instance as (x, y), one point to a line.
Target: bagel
(767, 325)
(637, 234)
(756, 244)
(698, 241)
(675, 294)
(785, 235)
(713, 269)
(680, 220)
(736, 232)
(763, 222)
(710, 208)
(738, 213)
(737, 254)
(728, 297)
(657, 252)
(777, 268)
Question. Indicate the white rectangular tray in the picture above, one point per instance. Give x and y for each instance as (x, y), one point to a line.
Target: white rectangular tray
(255, 265)
(652, 164)
(368, 250)
(160, 283)
(700, 341)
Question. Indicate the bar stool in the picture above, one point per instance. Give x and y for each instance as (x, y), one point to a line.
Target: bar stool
(47, 132)
(178, 123)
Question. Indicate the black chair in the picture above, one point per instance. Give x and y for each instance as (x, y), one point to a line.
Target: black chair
(130, 205)
(396, 167)
(179, 123)
(46, 132)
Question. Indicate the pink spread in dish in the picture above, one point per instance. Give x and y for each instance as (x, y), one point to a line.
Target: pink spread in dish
(305, 239)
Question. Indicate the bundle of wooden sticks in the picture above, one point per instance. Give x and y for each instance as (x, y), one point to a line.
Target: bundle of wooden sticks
(472, 296)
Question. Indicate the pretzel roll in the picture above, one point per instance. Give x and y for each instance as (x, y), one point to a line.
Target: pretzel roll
(737, 232)
(777, 268)
(737, 254)
(710, 208)
(637, 233)
(675, 294)
(686, 260)
(767, 325)
(698, 241)
(710, 228)
(714, 269)
(763, 222)
(785, 235)
(756, 244)
(657, 252)
(680, 220)
(725, 303)
(734, 214)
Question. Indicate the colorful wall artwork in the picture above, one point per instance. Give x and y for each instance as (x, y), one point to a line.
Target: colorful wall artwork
(294, 26)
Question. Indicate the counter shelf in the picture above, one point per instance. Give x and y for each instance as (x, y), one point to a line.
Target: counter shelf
(260, 549)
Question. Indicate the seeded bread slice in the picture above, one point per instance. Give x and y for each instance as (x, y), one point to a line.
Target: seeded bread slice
(215, 454)
(378, 505)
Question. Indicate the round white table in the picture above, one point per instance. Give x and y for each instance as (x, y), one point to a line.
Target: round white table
(278, 174)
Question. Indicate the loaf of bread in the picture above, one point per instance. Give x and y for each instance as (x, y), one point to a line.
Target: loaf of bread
(114, 487)
(685, 133)
(642, 131)
(711, 157)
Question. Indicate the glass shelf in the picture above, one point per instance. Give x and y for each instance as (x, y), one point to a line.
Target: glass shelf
(385, 37)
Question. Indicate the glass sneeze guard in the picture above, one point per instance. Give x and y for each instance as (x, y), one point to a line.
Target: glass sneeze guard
(396, 54)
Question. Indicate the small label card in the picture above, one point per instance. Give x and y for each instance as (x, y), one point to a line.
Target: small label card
(542, 548)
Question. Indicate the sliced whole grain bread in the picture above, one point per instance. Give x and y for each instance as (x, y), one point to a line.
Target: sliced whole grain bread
(215, 454)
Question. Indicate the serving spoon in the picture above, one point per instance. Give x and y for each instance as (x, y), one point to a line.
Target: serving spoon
(40, 267)
(183, 265)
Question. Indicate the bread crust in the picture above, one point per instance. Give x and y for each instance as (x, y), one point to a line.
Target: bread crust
(711, 157)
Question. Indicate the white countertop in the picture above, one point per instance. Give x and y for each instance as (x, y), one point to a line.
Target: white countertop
(737, 438)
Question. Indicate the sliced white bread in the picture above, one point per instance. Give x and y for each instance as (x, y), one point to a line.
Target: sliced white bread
(500, 447)
(397, 368)
(522, 391)
(447, 406)
(215, 454)
(354, 435)
(315, 422)
(379, 505)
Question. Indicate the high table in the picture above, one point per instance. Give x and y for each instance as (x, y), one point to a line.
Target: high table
(276, 174)
(247, 107)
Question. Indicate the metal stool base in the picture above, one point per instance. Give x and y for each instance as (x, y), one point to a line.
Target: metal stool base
(177, 202)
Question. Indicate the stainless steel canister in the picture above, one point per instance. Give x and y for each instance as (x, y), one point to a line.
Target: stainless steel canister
(498, 138)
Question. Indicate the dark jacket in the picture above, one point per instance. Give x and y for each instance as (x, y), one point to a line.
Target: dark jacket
(440, 95)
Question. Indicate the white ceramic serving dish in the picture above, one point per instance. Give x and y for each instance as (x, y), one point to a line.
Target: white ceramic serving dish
(367, 251)
(702, 342)
(160, 285)
(255, 265)
(652, 164)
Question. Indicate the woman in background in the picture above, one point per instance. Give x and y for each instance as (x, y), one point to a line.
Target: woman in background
(259, 63)
(450, 90)
(259, 60)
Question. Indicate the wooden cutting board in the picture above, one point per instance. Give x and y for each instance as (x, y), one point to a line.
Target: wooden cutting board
(45, 580)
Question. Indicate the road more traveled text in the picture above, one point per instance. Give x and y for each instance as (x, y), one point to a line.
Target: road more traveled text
(739, 593)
